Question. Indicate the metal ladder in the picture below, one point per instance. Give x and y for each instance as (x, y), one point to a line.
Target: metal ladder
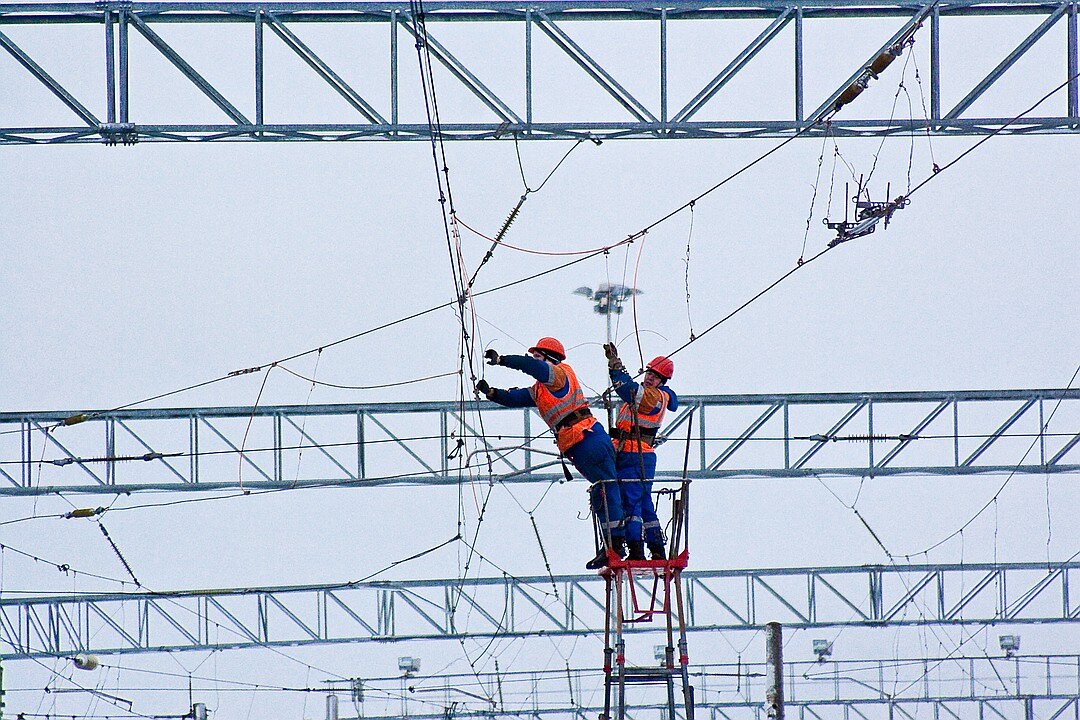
(626, 604)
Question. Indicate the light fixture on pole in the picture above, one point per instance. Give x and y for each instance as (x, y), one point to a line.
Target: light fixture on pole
(608, 299)
(823, 649)
(1010, 644)
(408, 666)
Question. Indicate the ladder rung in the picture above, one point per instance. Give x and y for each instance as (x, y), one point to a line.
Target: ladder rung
(645, 674)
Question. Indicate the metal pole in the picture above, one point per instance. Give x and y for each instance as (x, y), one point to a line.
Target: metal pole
(1074, 95)
(607, 395)
(774, 661)
(110, 67)
(394, 69)
(799, 65)
(123, 16)
(620, 646)
(935, 65)
(528, 71)
(609, 652)
(663, 68)
(259, 67)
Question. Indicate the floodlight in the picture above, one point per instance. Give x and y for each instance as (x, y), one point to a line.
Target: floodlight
(660, 653)
(1010, 644)
(823, 649)
(408, 665)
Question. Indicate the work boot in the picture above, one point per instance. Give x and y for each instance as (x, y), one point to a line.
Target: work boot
(656, 550)
(618, 545)
(637, 550)
(600, 561)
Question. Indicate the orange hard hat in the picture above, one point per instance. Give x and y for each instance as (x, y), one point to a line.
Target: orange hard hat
(662, 367)
(549, 346)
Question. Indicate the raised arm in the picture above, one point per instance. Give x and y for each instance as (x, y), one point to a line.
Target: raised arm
(514, 397)
(537, 369)
(624, 384)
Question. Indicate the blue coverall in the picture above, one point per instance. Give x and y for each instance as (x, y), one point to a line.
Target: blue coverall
(637, 470)
(593, 455)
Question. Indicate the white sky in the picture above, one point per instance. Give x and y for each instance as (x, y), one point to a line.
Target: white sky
(132, 271)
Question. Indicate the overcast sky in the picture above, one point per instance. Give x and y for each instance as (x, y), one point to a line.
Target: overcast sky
(132, 271)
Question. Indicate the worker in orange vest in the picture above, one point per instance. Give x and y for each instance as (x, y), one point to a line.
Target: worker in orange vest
(558, 396)
(640, 416)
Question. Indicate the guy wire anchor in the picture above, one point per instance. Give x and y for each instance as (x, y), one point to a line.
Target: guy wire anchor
(867, 215)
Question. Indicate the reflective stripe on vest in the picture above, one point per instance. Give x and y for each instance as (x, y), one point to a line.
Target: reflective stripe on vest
(553, 409)
(630, 425)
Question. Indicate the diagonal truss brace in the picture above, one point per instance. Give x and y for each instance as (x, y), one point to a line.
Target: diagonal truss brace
(998, 433)
(324, 71)
(745, 436)
(182, 65)
(840, 424)
(463, 74)
(901, 35)
(1005, 64)
(150, 449)
(922, 425)
(47, 80)
(749, 52)
(593, 68)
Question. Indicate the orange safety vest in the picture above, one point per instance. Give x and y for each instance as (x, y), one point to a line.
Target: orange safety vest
(555, 409)
(632, 422)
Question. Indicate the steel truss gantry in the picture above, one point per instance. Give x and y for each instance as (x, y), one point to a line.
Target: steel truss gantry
(1021, 687)
(728, 600)
(366, 445)
(373, 90)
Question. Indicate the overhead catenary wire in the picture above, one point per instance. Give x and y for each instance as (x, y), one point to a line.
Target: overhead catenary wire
(63, 568)
(75, 419)
(499, 238)
(920, 186)
(1004, 484)
(323, 383)
(937, 171)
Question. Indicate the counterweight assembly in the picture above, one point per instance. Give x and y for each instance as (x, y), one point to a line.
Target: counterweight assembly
(640, 591)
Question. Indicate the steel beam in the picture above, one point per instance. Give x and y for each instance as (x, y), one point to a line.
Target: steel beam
(727, 600)
(962, 687)
(376, 444)
(631, 117)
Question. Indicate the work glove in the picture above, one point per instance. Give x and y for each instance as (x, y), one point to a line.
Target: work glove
(484, 389)
(492, 357)
(613, 361)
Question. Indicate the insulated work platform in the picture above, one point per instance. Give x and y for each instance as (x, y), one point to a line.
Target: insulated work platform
(645, 591)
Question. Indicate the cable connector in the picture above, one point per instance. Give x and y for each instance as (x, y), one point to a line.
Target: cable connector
(84, 513)
(246, 371)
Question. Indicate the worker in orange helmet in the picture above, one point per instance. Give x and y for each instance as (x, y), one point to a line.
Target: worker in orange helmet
(640, 416)
(558, 396)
